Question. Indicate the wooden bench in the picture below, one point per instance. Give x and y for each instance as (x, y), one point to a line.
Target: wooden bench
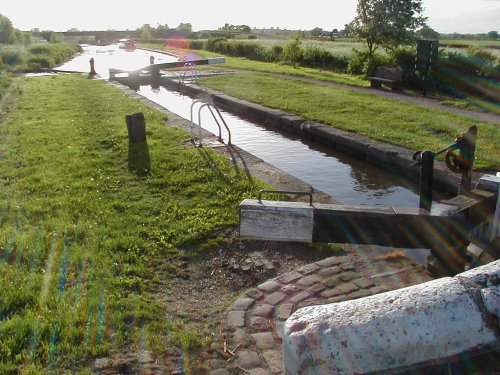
(387, 76)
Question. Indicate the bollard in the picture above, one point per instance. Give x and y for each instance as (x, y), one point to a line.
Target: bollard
(155, 77)
(136, 127)
(92, 69)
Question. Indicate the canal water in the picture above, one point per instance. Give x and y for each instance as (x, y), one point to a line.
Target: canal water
(349, 180)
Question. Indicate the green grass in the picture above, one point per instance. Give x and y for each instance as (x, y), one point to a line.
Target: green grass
(470, 43)
(376, 117)
(241, 63)
(87, 219)
(323, 75)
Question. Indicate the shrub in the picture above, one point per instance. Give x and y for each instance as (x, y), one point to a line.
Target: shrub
(293, 52)
(197, 44)
(361, 64)
(37, 62)
(218, 45)
(405, 59)
(476, 72)
(52, 54)
(13, 55)
(316, 57)
(275, 53)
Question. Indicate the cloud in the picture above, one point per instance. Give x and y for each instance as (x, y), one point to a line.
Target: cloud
(468, 22)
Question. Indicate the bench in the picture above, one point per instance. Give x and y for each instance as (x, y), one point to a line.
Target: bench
(387, 76)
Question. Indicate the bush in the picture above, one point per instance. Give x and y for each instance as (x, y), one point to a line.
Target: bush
(405, 59)
(361, 64)
(316, 57)
(38, 62)
(217, 44)
(13, 55)
(476, 73)
(275, 53)
(50, 55)
(197, 44)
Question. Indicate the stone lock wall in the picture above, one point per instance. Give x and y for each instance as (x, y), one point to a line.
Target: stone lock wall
(401, 329)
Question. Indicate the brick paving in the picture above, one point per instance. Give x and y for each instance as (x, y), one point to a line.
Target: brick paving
(257, 318)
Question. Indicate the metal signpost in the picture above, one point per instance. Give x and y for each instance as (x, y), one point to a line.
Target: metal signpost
(427, 58)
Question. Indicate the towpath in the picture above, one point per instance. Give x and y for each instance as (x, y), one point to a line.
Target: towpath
(429, 102)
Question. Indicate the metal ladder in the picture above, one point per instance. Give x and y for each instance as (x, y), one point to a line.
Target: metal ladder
(215, 114)
(188, 72)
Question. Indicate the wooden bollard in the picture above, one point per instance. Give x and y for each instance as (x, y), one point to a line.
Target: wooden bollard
(92, 69)
(136, 127)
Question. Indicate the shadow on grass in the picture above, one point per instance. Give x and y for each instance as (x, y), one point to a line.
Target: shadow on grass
(234, 156)
(139, 161)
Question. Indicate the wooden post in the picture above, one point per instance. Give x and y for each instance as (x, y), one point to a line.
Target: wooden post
(92, 69)
(467, 151)
(155, 77)
(136, 127)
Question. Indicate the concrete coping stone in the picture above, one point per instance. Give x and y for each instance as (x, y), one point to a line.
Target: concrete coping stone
(404, 328)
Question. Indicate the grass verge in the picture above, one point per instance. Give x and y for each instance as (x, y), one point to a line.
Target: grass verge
(85, 219)
(379, 118)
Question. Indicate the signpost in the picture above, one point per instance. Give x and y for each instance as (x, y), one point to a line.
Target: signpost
(427, 58)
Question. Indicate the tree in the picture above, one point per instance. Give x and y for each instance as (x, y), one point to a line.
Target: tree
(146, 33)
(387, 23)
(6, 30)
(56, 38)
(187, 28)
(244, 28)
(317, 31)
(427, 32)
(292, 51)
(161, 31)
(347, 30)
(493, 35)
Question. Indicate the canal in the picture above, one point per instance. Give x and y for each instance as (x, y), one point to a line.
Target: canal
(349, 180)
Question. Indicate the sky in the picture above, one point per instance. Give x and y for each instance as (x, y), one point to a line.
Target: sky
(445, 16)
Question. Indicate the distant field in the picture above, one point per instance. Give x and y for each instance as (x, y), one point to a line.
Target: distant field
(340, 48)
(495, 44)
(346, 47)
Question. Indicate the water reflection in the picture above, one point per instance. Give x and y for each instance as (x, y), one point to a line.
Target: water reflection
(106, 57)
(350, 180)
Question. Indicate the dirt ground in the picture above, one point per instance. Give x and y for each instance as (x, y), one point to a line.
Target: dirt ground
(206, 287)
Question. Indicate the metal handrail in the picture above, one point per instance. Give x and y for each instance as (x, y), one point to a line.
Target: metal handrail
(309, 193)
(210, 107)
(188, 67)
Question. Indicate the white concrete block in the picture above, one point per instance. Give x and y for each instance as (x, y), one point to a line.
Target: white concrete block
(486, 276)
(491, 299)
(492, 183)
(392, 330)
